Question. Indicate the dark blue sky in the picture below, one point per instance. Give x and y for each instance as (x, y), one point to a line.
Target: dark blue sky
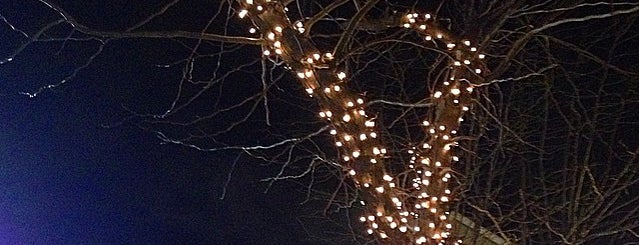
(64, 179)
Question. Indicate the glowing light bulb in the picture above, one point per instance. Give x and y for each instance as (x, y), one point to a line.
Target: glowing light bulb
(356, 154)
(278, 29)
(352, 172)
(437, 94)
(376, 151)
(252, 30)
(341, 75)
(242, 13)
(387, 177)
(346, 118)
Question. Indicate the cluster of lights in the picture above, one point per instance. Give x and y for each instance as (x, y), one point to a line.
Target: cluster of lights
(418, 210)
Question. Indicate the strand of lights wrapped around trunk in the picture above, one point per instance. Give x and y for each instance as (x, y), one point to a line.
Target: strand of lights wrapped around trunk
(396, 214)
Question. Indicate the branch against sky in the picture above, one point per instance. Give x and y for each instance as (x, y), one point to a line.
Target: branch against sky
(544, 153)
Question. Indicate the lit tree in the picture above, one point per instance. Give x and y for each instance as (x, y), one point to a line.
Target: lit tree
(401, 108)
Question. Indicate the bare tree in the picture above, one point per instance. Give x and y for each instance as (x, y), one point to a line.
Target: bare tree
(400, 121)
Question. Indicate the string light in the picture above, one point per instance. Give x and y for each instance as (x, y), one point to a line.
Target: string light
(361, 127)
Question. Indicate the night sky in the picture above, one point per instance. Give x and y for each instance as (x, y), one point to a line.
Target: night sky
(67, 179)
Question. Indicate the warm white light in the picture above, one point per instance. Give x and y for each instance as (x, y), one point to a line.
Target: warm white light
(252, 30)
(387, 177)
(376, 151)
(278, 29)
(380, 189)
(437, 94)
(455, 91)
(341, 75)
(346, 118)
(270, 36)
(352, 172)
(243, 13)
(356, 154)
